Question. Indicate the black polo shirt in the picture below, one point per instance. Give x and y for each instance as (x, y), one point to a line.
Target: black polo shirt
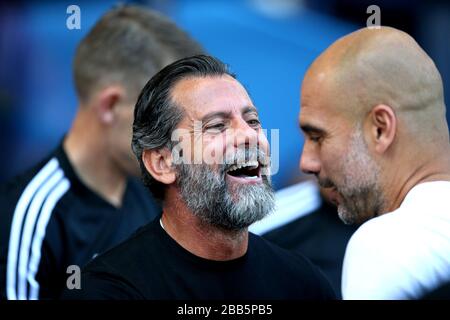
(50, 220)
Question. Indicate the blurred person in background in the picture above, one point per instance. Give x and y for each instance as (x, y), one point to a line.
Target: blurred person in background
(83, 198)
(373, 115)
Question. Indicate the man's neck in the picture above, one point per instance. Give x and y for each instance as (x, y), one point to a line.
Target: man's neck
(198, 237)
(399, 184)
(87, 154)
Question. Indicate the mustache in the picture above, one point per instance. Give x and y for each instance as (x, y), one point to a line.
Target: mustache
(245, 155)
(325, 182)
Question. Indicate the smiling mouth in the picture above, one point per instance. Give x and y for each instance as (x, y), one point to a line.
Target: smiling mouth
(247, 172)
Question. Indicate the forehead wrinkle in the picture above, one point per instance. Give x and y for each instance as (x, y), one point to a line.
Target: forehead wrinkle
(198, 93)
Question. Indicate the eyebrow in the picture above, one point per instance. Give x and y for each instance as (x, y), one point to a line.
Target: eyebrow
(250, 109)
(219, 114)
(227, 115)
(308, 129)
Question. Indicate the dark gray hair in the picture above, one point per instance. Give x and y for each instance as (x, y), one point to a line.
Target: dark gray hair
(126, 46)
(156, 116)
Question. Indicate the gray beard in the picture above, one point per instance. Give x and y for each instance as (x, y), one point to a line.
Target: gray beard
(363, 198)
(206, 193)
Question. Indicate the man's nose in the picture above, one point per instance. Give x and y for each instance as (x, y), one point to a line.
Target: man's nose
(245, 135)
(309, 161)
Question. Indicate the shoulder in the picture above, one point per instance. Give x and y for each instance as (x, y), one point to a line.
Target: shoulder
(138, 245)
(45, 178)
(401, 254)
(377, 233)
(113, 274)
(379, 258)
(129, 256)
(291, 264)
(102, 284)
(29, 199)
(27, 203)
(34, 176)
(264, 247)
(375, 240)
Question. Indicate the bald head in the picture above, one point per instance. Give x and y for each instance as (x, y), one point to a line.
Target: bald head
(386, 66)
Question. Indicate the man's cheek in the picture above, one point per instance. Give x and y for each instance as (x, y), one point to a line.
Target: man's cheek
(263, 140)
(270, 150)
(213, 153)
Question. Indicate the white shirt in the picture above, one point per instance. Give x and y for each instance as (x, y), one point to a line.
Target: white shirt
(403, 254)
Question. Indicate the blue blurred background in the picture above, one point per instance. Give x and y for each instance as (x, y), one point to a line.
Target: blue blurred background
(268, 43)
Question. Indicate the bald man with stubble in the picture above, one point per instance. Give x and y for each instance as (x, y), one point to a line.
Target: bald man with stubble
(373, 115)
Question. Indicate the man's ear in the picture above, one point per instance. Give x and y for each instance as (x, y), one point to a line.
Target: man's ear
(106, 102)
(383, 127)
(159, 164)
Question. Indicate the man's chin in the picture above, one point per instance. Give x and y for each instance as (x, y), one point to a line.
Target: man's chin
(351, 217)
(344, 215)
(331, 195)
(229, 224)
(232, 228)
(248, 210)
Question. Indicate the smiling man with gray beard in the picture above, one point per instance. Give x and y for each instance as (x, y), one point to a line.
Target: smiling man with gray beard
(191, 112)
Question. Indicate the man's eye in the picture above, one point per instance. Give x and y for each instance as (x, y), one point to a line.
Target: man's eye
(315, 138)
(216, 127)
(254, 122)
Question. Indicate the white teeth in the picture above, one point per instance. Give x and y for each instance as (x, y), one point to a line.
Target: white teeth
(251, 178)
(252, 165)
